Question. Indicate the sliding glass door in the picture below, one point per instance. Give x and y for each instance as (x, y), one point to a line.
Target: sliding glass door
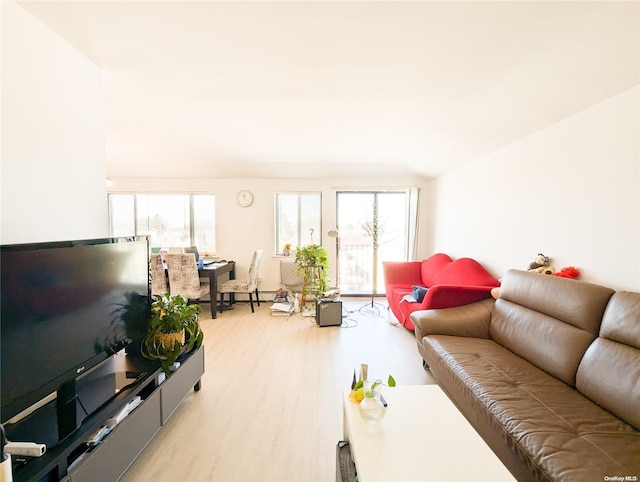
(372, 228)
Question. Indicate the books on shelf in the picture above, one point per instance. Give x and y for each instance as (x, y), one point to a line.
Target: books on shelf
(281, 309)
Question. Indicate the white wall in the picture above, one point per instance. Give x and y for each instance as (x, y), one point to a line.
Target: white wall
(570, 191)
(241, 230)
(53, 166)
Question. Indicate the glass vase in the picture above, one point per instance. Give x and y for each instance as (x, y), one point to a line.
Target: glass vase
(371, 409)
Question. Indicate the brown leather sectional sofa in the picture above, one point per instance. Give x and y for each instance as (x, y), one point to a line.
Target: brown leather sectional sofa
(548, 374)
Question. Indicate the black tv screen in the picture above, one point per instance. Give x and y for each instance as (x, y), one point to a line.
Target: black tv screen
(66, 307)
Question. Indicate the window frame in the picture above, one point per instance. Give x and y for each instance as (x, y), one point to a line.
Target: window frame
(376, 272)
(278, 245)
(191, 217)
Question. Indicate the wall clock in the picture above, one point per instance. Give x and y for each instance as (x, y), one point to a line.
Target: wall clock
(244, 198)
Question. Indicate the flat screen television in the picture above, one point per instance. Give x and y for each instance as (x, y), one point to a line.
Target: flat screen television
(65, 308)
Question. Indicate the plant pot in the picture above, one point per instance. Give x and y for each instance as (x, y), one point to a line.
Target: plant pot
(169, 339)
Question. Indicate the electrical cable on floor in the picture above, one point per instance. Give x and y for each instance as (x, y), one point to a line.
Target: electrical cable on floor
(347, 320)
(345, 323)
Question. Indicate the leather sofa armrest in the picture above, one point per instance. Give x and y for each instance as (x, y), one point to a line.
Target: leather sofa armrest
(470, 320)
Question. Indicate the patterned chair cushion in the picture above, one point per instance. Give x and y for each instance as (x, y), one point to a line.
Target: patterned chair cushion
(248, 285)
(158, 276)
(183, 276)
(235, 286)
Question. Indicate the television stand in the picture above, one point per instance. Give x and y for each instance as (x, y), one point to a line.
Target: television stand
(66, 410)
(73, 460)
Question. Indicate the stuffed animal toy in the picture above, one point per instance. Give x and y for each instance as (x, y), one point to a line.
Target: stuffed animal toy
(570, 272)
(540, 261)
(545, 270)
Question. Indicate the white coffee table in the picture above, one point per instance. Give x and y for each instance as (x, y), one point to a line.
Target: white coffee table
(423, 437)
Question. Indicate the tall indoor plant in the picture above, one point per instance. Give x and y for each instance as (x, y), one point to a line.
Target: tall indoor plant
(172, 327)
(313, 265)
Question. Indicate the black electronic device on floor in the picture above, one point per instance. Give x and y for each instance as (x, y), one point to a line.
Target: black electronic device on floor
(329, 313)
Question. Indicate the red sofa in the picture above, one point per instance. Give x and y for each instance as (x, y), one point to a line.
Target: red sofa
(450, 283)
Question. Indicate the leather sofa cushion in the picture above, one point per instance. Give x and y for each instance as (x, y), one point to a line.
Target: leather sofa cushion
(549, 344)
(621, 321)
(575, 302)
(549, 427)
(609, 373)
(548, 321)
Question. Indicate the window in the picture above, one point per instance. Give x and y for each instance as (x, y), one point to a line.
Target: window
(172, 220)
(373, 228)
(297, 219)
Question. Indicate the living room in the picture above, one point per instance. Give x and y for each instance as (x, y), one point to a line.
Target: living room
(568, 187)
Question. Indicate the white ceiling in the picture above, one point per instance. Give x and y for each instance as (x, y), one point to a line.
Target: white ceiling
(313, 89)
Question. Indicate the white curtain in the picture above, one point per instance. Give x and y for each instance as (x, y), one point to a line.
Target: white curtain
(412, 223)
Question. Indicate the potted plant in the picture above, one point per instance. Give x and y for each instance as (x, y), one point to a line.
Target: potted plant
(173, 327)
(313, 265)
(358, 391)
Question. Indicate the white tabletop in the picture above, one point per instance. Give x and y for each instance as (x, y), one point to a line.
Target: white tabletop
(423, 437)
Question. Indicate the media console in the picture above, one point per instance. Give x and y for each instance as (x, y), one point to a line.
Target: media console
(73, 460)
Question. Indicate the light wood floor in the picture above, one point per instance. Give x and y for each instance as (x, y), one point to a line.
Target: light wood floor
(270, 407)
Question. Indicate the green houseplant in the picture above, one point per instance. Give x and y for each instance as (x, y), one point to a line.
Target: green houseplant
(172, 327)
(313, 265)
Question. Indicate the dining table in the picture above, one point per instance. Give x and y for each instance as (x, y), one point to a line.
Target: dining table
(213, 271)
